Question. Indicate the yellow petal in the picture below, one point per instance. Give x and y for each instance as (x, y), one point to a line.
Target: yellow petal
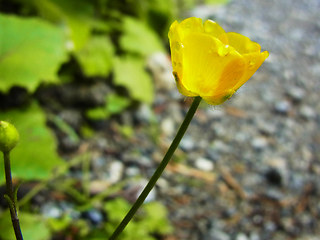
(175, 47)
(173, 32)
(231, 74)
(214, 29)
(181, 88)
(242, 43)
(190, 25)
(218, 99)
(204, 60)
(253, 62)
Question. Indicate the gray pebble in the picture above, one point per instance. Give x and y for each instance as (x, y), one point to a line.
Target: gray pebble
(282, 107)
(116, 169)
(217, 234)
(204, 164)
(307, 112)
(187, 143)
(296, 93)
(259, 143)
(241, 236)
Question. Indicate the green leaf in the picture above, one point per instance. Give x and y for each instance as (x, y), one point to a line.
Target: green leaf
(35, 155)
(114, 104)
(75, 16)
(116, 209)
(152, 218)
(129, 72)
(139, 38)
(96, 58)
(59, 224)
(32, 227)
(157, 218)
(98, 113)
(31, 51)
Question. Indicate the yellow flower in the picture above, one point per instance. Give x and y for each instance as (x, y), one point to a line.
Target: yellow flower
(210, 63)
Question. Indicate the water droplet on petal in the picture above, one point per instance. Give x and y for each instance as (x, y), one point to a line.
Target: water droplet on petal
(177, 46)
(251, 64)
(209, 27)
(223, 51)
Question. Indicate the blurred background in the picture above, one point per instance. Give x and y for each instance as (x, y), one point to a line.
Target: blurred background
(88, 84)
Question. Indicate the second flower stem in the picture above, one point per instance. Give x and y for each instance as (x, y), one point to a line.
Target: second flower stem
(159, 170)
(11, 197)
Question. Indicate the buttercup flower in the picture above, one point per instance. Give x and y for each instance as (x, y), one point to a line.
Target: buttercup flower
(210, 63)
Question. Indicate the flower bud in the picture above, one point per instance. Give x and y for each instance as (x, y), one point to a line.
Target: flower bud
(9, 136)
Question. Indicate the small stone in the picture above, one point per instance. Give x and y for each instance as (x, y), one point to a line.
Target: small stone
(296, 93)
(116, 171)
(217, 234)
(187, 143)
(254, 236)
(282, 107)
(215, 114)
(267, 128)
(167, 126)
(132, 171)
(241, 236)
(270, 226)
(144, 113)
(278, 163)
(259, 143)
(307, 112)
(160, 66)
(94, 216)
(51, 210)
(204, 164)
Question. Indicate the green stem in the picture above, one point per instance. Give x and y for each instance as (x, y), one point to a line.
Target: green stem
(10, 193)
(159, 170)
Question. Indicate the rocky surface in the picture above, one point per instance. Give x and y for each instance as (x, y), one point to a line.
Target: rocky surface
(264, 143)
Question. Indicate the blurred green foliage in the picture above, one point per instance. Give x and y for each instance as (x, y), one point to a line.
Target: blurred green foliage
(114, 104)
(96, 57)
(38, 40)
(97, 38)
(139, 38)
(33, 227)
(151, 219)
(31, 50)
(129, 72)
(35, 156)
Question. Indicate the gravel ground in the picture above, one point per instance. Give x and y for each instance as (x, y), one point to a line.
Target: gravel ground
(246, 170)
(263, 143)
